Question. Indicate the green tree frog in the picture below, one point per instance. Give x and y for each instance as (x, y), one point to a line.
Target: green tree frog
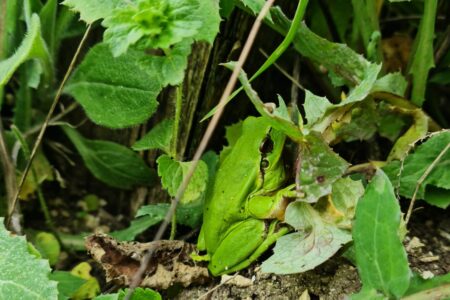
(243, 210)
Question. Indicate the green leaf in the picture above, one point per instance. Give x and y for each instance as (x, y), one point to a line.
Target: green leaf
(255, 6)
(91, 11)
(114, 164)
(314, 243)
(171, 66)
(320, 168)
(338, 58)
(159, 137)
(208, 13)
(115, 92)
(422, 56)
(91, 287)
(68, 284)
(437, 196)
(138, 294)
(142, 222)
(381, 259)
(339, 209)
(32, 47)
(394, 83)
(153, 24)
(23, 276)
(417, 163)
(368, 294)
(172, 173)
(277, 118)
(315, 107)
(48, 246)
(418, 284)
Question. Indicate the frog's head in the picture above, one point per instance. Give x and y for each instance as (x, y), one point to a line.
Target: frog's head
(272, 174)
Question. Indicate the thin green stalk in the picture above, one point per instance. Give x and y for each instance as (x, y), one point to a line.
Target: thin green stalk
(289, 37)
(174, 146)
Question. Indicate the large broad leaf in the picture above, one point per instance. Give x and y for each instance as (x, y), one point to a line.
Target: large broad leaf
(314, 243)
(172, 173)
(381, 259)
(32, 47)
(159, 137)
(111, 163)
(320, 167)
(115, 92)
(437, 183)
(23, 276)
(90, 11)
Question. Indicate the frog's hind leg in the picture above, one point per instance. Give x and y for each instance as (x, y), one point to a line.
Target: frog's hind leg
(243, 244)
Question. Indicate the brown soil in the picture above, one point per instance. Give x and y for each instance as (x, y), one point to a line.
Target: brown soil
(428, 244)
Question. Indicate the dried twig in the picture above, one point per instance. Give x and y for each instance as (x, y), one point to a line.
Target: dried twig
(45, 125)
(218, 286)
(203, 143)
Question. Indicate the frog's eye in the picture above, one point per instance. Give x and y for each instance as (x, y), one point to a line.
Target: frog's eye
(266, 145)
(264, 164)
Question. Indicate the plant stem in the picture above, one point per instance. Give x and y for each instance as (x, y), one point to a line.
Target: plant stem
(45, 124)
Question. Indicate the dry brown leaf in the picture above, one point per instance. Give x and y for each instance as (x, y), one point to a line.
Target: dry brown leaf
(170, 264)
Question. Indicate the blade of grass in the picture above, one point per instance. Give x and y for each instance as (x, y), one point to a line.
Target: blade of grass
(422, 57)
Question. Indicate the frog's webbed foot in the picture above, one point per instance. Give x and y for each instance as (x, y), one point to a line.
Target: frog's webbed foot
(247, 240)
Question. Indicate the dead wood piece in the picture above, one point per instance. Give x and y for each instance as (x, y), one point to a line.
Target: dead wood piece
(170, 264)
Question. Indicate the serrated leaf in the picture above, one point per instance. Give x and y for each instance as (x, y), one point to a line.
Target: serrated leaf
(114, 164)
(115, 92)
(320, 167)
(394, 83)
(255, 6)
(210, 17)
(381, 259)
(23, 276)
(90, 11)
(68, 284)
(32, 47)
(172, 173)
(138, 294)
(315, 107)
(171, 66)
(314, 243)
(417, 163)
(151, 24)
(159, 137)
(422, 56)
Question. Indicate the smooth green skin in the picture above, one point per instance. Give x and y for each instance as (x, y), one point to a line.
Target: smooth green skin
(245, 193)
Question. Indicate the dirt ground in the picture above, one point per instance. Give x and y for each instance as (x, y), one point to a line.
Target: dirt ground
(427, 243)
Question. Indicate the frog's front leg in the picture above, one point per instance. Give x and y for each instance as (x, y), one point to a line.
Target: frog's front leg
(271, 206)
(244, 243)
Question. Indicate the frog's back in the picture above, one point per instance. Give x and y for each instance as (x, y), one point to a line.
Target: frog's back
(235, 179)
